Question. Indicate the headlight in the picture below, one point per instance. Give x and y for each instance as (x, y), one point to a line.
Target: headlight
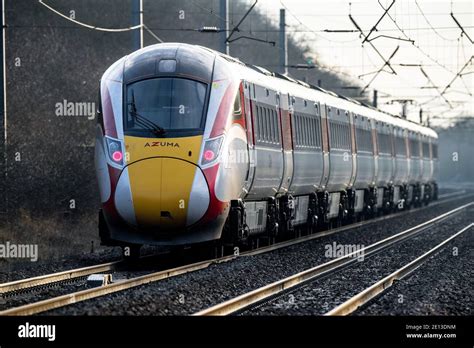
(211, 150)
(114, 150)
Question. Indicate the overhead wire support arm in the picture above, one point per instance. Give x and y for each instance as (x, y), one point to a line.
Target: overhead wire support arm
(236, 27)
(374, 28)
(459, 74)
(408, 64)
(371, 44)
(372, 72)
(390, 37)
(340, 31)
(414, 44)
(152, 33)
(430, 25)
(435, 87)
(273, 43)
(387, 63)
(461, 27)
(302, 66)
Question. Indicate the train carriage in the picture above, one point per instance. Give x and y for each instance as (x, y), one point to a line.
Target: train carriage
(195, 146)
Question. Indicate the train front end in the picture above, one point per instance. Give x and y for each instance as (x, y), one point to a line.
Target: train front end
(161, 130)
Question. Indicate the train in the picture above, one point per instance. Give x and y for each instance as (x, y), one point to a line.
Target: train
(194, 146)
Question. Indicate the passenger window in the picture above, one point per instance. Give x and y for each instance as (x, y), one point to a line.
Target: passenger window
(277, 128)
(305, 131)
(318, 132)
(259, 125)
(264, 124)
(434, 149)
(308, 132)
(272, 113)
(426, 150)
(296, 129)
(270, 125)
(267, 127)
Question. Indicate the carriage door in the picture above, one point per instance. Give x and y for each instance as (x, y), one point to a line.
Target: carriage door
(325, 145)
(268, 171)
(247, 103)
(285, 127)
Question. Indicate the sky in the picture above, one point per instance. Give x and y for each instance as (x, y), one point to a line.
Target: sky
(422, 68)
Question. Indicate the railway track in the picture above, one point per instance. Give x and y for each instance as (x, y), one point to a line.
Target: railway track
(266, 293)
(59, 301)
(49, 279)
(381, 286)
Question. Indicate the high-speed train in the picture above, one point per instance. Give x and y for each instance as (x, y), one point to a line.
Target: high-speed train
(194, 146)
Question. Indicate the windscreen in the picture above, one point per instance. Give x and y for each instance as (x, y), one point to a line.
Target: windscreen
(167, 104)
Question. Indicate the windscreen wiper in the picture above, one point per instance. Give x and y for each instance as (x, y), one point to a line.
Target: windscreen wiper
(143, 121)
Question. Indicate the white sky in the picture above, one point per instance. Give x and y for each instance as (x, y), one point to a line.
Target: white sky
(344, 52)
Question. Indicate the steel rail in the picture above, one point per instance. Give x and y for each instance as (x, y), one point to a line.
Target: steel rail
(63, 300)
(382, 285)
(364, 223)
(240, 302)
(110, 266)
(56, 277)
(47, 279)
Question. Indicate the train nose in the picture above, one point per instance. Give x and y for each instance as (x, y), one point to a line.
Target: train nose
(165, 193)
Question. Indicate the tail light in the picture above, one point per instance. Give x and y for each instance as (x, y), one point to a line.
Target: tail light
(114, 151)
(211, 150)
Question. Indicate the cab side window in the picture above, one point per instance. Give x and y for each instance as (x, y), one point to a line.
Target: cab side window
(237, 112)
(100, 118)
